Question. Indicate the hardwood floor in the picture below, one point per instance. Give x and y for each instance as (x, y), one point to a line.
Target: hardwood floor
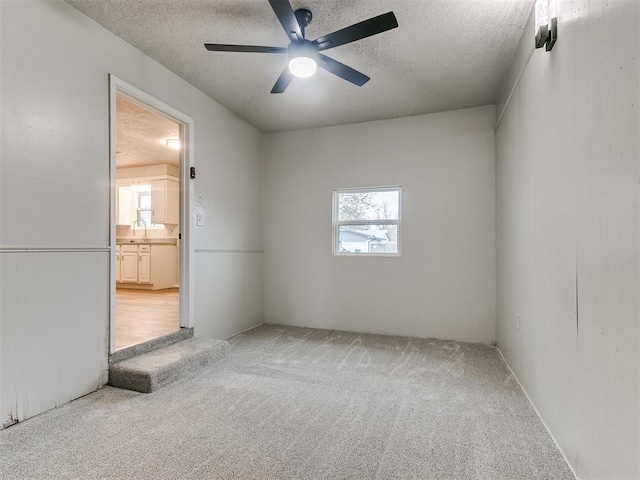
(142, 315)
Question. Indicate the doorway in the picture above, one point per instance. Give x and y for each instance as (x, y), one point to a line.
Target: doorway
(151, 252)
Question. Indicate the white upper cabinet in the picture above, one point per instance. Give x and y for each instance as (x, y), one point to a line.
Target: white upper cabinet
(125, 211)
(165, 201)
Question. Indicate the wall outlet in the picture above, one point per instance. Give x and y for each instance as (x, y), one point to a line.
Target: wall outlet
(518, 320)
(198, 219)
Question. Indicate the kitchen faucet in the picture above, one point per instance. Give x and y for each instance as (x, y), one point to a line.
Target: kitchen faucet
(135, 222)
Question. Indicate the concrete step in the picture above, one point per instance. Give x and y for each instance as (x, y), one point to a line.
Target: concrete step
(153, 370)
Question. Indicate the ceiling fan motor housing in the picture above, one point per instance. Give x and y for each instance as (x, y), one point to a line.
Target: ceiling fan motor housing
(304, 17)
(304, 48)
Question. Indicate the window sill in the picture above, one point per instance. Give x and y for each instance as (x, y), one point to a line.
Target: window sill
(366, 255)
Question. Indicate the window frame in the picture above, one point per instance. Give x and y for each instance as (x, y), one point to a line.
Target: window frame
(136, 205)
(336, 223)
(140, 209)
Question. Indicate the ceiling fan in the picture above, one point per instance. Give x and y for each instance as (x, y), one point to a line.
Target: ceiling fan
(304, 55)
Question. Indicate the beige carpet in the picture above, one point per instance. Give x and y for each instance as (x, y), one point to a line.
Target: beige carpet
(305, 404)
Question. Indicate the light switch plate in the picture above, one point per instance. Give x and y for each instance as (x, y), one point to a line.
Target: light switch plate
(198, 219)
(199, 198)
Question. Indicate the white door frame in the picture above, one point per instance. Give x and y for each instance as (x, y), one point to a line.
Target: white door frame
(119, 86)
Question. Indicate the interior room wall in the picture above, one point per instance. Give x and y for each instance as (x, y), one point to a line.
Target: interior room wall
(54, 203)
(443, 284)
(567, 237)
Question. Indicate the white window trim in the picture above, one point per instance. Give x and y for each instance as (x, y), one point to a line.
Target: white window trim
(153, 226)
(337, 223)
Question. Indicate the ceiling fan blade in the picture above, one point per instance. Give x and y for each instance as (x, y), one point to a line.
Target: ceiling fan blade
(341, 70)
(218, 47)
(284, 12)
(283, 81)
(358, 31)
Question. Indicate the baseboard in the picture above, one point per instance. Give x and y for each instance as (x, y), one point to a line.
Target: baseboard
(488, 343)
(573, 471)
(245, 330)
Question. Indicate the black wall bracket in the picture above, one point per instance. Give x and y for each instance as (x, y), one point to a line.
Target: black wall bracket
(547, 35)
(192, 172)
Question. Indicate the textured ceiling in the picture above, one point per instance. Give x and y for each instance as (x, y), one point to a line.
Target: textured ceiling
(142, 136)
(445, 55)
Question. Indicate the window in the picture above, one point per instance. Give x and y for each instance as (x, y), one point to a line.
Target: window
(366, 221)
(144, 204)
(134, 206)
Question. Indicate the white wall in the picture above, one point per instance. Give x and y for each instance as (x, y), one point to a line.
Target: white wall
(54, 186)
(443, 285)
(567, 238)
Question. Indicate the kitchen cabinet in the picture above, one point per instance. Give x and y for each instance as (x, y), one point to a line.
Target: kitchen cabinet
(118, 278)
(125, 205)
(147, 266)
(144, 264)
(165, 202)
(129, 264)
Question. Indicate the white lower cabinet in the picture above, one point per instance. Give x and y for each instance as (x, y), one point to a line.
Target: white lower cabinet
(144, 264)
(118, 277)
(129, 263)
(151, 267)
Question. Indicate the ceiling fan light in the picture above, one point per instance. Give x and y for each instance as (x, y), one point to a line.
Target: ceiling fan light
(173, 143)
(302, 67)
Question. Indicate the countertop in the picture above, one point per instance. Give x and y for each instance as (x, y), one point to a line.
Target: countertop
(146, 241)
